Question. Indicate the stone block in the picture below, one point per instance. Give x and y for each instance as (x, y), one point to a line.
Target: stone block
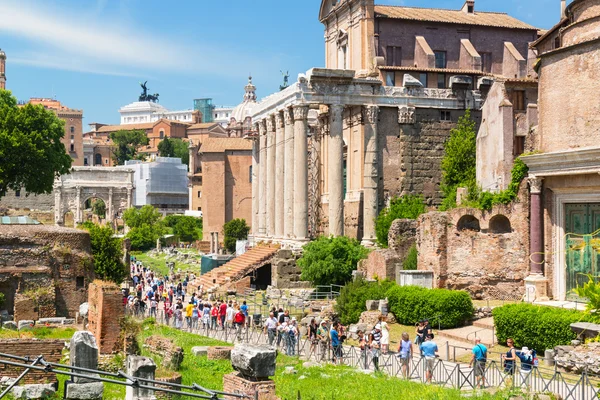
(200, 351)
(69, 321)
(26, 324)
(51, 321)
(586, 329)
(254, 361)
(34, 391)
(219, 353)
(140, 367)
(85, 391)
(84, 353)
(10, 325)
(372, 305)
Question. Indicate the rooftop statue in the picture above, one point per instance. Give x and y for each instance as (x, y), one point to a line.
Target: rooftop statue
(147, 97)
(286, 77)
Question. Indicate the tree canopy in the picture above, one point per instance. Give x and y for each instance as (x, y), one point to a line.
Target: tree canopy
(234, 230)
(107, 252)
(126, 143)
(31, 152)
(146, 226)
(174, 148)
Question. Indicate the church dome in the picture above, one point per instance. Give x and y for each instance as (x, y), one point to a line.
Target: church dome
(244, 110)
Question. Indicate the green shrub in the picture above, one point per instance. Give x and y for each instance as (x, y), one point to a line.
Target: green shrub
(187, 228)
(107, 252)
(234, 230)
(331, 260)
(410, 262)
(404, 207)
(591, 291)
(536, 327)
(446, 308)
(353, 296)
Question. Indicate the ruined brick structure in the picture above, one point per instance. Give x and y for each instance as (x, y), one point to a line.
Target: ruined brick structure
(482, 252)
(105, 313)
(44, 270)
(51, 349)
(261, 390)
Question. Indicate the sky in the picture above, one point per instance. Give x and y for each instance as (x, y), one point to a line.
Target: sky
(92, 54)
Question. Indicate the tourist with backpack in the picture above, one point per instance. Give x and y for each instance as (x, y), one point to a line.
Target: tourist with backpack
(527, 363)
(478, 361)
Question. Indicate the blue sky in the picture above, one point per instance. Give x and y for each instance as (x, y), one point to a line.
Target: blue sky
(92, 54)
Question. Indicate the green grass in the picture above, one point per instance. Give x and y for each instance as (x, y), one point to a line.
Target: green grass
(158, 263)
(39, 333)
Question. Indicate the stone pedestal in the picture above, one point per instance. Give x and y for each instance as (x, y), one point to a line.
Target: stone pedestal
(235, 383)
(140, 367)
(536, 288)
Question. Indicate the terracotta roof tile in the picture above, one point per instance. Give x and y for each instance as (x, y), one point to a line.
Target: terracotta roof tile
(219, 145)
(204, 125)
(114, 128)
(500, 20)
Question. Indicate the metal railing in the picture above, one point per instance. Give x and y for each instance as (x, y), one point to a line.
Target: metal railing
(448, 372)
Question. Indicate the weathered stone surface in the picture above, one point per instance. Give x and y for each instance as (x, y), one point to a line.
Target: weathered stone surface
(200, 350)
(172, 355)
(85, 391)
(372, 305)
(84, 353)
(9, 325)
(580, 358)
(83, 309)
(140, 367)
(26, 324)
(586, 330)
(51, 321)
(69, 321)
(36, 391)
(219, 353)
(254, 361)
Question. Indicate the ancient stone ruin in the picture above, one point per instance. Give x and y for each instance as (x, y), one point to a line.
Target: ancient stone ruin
(254, 365)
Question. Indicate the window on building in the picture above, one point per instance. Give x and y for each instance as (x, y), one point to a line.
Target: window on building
(344, 56)
(519, 146)
(486, 62)
(390, 78)
(162, 134)
(470, 9)
(17, 193)
(98, 159)
(199, 194)
(72, 147)
(445, 115)
(440, 59)
(441, 82)
(423, 79)
(394, 56)
(106, 161)
(518, 100)
(199, 180)
(250, 174)
(72, 137)
(199, 208)
(72, 129)
(79, 282)
(557, 42)
(85, 161)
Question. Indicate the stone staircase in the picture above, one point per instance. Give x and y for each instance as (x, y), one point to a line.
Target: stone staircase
(234, 270)
(483, 328)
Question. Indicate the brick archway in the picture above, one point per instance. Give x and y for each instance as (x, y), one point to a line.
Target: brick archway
(113, 185)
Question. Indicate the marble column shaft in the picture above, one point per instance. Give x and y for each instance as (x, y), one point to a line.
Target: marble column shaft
(262, 180)
(536, 233)
(288, 201)
(279, 174)
(336, 170)
(371, 176)
(300, 172)
(255, 179)
(270, 211)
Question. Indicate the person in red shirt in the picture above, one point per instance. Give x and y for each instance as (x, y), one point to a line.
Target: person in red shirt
(222, 313)
(214, 313)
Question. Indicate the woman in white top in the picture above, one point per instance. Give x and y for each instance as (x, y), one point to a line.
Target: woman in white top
(385, 335)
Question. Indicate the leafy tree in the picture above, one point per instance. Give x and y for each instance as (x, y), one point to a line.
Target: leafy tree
(188, 229)
(404, 207)
(107, 252)
(146, 226)
(331, 260)
(99, 208)
(236, 229)
(458, 164)
(126, 144)
(166, 148)
(181, 151)
(31, 152)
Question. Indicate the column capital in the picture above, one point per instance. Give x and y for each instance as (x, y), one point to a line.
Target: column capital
(300, 112)
(336, 112)
(262, 127)
(270, 123)
(279, 120)
(287, 116)
(535, 184)
(370, 114)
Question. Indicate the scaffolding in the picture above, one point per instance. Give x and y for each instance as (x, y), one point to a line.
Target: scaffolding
(206, 107)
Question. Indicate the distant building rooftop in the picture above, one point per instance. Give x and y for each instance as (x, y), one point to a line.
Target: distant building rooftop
(18, 220)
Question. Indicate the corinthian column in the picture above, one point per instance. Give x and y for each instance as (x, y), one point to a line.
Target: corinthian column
(300, 172)
(288, 188)
(336, 170)
(255, 179)
(279, 174)
(370, 177)
(271, 176)
(262, 181)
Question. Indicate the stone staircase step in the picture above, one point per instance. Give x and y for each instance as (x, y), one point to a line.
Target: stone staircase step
(485, 323)
(467, 335)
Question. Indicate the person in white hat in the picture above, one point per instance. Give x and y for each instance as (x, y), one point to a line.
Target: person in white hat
(323, 337)
(526, 364)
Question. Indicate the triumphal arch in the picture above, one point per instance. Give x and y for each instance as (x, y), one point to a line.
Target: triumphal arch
(114, 185)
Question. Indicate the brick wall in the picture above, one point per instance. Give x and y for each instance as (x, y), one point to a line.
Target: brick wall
(233, 383)
(172, 355)
(105, 313)
(50, 349)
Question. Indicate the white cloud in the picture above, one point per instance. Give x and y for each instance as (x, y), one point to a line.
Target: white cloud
(91, 42)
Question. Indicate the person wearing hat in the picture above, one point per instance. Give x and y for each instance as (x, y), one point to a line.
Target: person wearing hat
(526, 358)
(292, 334)
(323, 337)
(375, 345)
